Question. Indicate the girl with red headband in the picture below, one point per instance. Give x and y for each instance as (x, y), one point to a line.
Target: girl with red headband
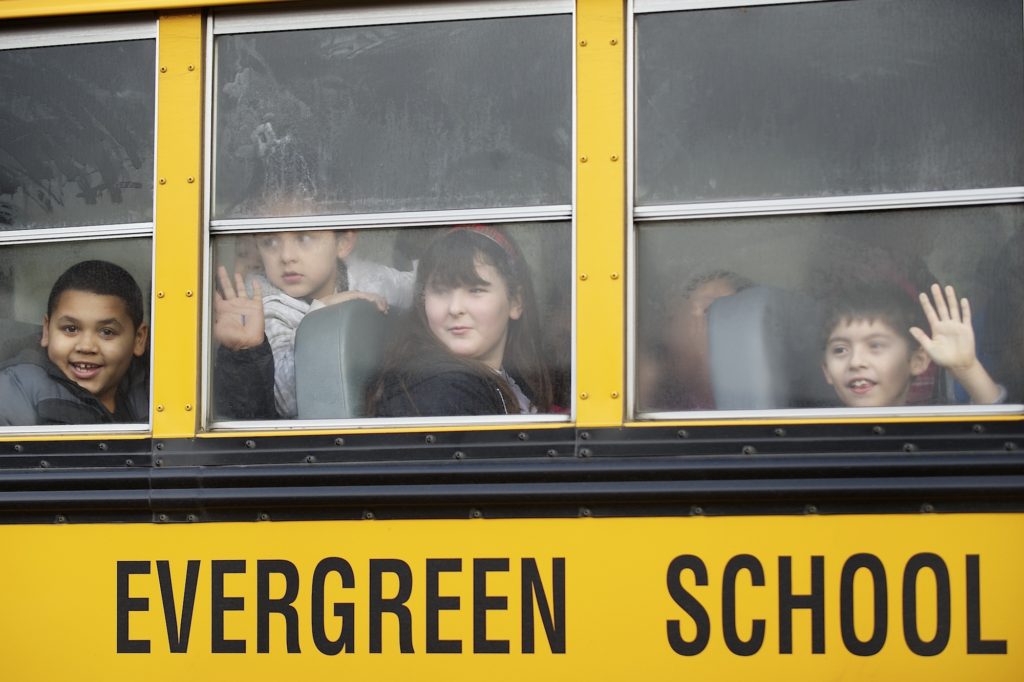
(471, 344)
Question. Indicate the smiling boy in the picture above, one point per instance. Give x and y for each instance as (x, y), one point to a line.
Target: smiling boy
(874, 347)
(87, 368)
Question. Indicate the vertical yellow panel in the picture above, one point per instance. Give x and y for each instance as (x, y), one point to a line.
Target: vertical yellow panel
(601, 211)
(178, 224)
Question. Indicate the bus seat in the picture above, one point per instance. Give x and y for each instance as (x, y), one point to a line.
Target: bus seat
(15, 336)
(337, 350)
(764, 351)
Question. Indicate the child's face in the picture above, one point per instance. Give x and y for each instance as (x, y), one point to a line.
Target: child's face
(472, 320)
(91, 338)
(869, 364)
(304, 264)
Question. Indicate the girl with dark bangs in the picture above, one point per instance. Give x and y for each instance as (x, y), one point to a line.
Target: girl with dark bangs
(471, 342)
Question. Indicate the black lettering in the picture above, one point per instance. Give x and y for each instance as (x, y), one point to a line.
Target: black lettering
(482, 603)
(346, 640)
(177, 635)
(533, 593)
(789, 602)
(880, 631)
(282, 605)
(219, 604)
(436, 604)
(975, 644)
(937, 566)
(740, 647)
(396, 605)
(127, 604)
(688, 603)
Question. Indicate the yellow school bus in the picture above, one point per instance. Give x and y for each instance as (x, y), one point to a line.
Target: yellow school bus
(744, 464)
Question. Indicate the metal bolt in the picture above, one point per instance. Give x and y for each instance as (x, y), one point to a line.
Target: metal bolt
(878, 430)
(159, 408)
(552, 453)
(613, 41)
(310, 459)
(159, 446)
(250, 444)
(163, 69)
(696, 510)
(188, 293)
(191, 67)
(475, 513)
(430, 440)
(162, 518)
(583, 276)
(978, 428)
(583, 159)
(263, 516)
(749, 450)
(1009, 446)
(927, 508)
(909, 447)
(18, 447)
(190, 179)
(585, 435)
(615, 395)
(339, 441)
(584, 395)
(163, 181)
(780, 432)
(102, 447)
(191, 518)
(159, 462)
(188, 407)
(811, 509)
(60, 518)
(459, 454)
(129, 462)
(585, 452)
(523, 435)
(159, 294)
(615, 275)
(614, 157)
(584, 512)
(683, 433)
(368, 515)
(583, 43)
(44, 464)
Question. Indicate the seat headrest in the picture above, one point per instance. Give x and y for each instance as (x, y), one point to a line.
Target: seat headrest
(764, 351)
(337, 349)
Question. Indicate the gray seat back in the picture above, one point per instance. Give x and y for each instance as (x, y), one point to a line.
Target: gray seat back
(15, 336)
(337, 351)
(764, 351)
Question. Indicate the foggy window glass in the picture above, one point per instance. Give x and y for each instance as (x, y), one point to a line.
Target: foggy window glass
(65, 382)
(348, 331)
(76, 135)
(736, 314)
(831, 98)
(426, 116)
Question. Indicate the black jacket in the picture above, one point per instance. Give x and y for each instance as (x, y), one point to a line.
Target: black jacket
(34, 392)
(243, 383)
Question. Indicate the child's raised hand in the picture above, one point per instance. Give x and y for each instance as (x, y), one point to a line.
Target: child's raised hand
(951, 344)
(342, 296)
(237, 317)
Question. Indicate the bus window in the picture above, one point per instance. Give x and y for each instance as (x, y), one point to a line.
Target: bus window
(371, 147)
(349, 331)
(76, 223)
(799, 189)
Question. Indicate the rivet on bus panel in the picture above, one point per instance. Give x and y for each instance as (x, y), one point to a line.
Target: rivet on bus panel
(159, 408)
(188, 293)
(159, 294)
(188, 407)
(613, 41)
(584, 159)
(583, 43)
(615, 275)
(584, 395)
(190, 179)
(191, 67)
(614, 157)
(163, 181)
(583, 277)
(615, 395)
(163, 69)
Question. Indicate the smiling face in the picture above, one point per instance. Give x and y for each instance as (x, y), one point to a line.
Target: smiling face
(304, 264)
(471, 319)
(869, 364)
(92, 340)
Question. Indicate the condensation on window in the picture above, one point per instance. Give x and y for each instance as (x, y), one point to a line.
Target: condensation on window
(341, 307)
(829, 99)
(76, 135)
(426, 116)
(737, 313)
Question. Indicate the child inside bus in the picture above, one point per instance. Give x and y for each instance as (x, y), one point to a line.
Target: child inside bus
(875, 346)
(472, 342)
(89, 367)
(302, 271)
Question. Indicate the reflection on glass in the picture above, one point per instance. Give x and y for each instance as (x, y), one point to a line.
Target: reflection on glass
(74, 334)
(829, 98)
(827, 310)
(76, 135)
(461, 114)
(413, 322)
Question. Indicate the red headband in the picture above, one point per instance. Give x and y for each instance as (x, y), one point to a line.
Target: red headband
(491, 233)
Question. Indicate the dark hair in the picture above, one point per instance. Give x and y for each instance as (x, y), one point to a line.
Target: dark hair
(888, 304)
(450, 261)
(685, 289)
(103, 278)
